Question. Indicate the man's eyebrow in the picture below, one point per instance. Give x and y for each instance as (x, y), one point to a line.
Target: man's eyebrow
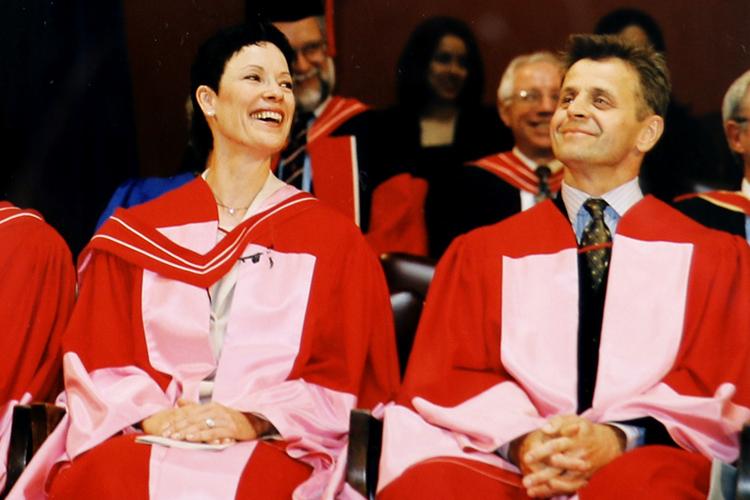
(598, 91)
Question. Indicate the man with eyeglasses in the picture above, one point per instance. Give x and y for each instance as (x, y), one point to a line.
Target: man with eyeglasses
(502, 184)
(331, 150)
(728, 210)
(594, 345)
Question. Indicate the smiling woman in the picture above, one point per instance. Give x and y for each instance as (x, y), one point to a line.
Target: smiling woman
(231, 333)
(437, 124)
(249, 117)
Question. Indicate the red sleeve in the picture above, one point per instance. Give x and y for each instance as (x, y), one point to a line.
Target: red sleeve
(716, 345)
(397, 216)
(348, 341)
(106, 329)
(456, 353)
(36, 298)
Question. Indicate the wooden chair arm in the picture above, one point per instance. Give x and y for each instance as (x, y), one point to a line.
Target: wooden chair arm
(743, 465)
(31, 425)
(363, 456)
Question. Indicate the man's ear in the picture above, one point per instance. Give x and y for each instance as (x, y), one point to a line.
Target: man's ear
(651, 130)
(206, 98)
(503, 109)
(733, 130)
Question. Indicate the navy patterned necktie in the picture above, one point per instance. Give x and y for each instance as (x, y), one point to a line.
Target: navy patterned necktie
(596, 241)
(543, 172)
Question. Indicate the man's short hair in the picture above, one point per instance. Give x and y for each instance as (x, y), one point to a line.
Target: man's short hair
(505, 89)
(651, 66)
(730, 107)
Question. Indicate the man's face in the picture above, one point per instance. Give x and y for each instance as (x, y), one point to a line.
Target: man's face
(527, 113)
(596, 122)
(737, 129)
(312, 68)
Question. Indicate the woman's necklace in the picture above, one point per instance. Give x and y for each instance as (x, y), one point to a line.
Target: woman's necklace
(231, 210)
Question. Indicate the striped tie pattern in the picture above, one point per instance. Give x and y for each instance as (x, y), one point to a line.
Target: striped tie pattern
(292, 161)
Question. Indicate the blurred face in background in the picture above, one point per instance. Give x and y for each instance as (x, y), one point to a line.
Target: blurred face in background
(448, 69)
(636, 35)
(313, 70)
(737, 130)
(528, 111)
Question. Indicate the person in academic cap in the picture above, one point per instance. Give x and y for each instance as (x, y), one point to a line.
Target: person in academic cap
(332, 150)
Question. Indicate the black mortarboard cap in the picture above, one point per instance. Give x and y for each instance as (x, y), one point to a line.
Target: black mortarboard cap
(284, 10)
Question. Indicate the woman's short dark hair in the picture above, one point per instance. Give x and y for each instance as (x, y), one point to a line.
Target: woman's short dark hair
(617, 20)
(411, 73)
(208, 67)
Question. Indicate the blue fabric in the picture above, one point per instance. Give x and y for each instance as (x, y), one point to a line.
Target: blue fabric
(136, 191)
(747, 228)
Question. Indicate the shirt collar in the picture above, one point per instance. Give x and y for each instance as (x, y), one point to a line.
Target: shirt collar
(321, 107)
(620, 198)
(554, 165)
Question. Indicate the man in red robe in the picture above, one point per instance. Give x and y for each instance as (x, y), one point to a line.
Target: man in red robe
(285, 319)
(332, 150)
(596, 345)
(728, 210)
(494, 187)
(36, 297)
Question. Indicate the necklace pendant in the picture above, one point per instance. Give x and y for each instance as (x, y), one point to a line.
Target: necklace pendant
(231, 211)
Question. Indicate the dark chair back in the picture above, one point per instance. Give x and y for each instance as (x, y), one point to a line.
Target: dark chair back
(408, 278)
(30, 427)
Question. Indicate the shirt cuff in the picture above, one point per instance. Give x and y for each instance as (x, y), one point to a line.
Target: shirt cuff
(634, 436)
(504, 452)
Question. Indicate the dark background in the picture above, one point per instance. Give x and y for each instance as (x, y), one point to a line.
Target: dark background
(93, 91)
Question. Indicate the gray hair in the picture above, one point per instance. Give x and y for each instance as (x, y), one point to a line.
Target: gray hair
(322, 25)
(505, 89)
(730, 107)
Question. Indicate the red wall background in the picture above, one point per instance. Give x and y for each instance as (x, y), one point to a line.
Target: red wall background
(708, 46)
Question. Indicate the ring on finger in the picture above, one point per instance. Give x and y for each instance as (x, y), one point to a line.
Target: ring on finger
(210, 423)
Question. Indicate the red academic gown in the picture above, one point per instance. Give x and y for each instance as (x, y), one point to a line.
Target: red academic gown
(483, 192)
(496, 355)
(36, 297)
(723, 210)
(334, 157)
(308, 338)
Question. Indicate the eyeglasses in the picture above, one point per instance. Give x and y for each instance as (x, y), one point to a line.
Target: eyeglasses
(533, 96)
(313, 50)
